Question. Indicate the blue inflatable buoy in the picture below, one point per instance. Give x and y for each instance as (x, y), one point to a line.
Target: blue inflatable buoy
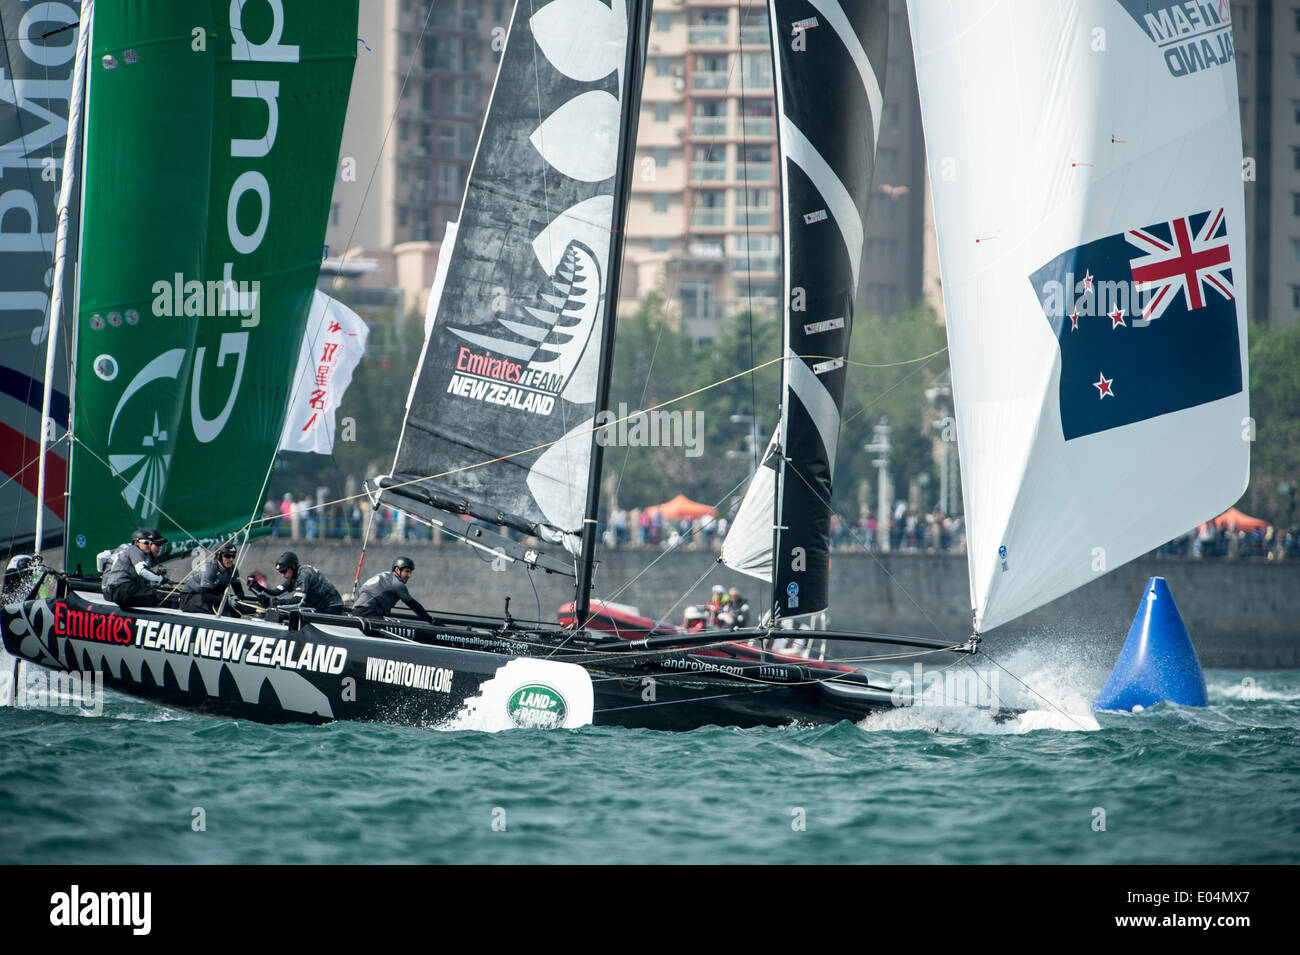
(1158, 662)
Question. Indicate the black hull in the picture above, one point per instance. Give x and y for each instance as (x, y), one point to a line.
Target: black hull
(317, 669)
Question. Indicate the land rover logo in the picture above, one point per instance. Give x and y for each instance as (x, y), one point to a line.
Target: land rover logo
(536, 705)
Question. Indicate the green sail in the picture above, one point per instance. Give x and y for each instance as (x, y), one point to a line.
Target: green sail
(211, 152)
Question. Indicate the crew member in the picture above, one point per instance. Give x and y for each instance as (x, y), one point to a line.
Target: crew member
(736, 614)
(380, 593)
(303, 585)
(204, 589)
(717, 603)
(133, 571)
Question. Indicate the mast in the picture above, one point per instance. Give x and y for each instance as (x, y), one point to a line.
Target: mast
(633, 75)
(71, 150)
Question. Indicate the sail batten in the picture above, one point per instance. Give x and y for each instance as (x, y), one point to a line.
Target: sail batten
(1091, 240)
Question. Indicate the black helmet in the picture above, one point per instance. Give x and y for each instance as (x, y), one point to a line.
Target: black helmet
(403, 563)
(286, 560)
(149, 534)
(227, 550)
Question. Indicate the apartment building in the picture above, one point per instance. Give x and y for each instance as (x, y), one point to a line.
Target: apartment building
(423, 75)
(1266, 35)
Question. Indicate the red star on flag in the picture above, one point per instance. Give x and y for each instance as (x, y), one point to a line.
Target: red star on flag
(1087, 280)
(1074, 320)
(1102, 384)
(1116, 318)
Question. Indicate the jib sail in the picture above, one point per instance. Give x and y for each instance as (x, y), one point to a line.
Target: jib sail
(1090, 215)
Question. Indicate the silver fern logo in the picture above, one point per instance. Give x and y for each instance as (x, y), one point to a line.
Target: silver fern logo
(551, 340)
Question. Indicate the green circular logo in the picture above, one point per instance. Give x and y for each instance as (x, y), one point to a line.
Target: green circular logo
(536, 706)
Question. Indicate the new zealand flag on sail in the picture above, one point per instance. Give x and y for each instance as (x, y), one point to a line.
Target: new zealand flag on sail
(1146, 320)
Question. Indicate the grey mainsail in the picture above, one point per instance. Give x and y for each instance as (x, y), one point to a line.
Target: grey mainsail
(499, 423)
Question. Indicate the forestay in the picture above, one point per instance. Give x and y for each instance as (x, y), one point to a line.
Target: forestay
(1086, 165)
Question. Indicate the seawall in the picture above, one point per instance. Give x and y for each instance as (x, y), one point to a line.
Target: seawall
(1240, 613)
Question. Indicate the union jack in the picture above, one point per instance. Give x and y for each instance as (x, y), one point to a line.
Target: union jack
(1183, 261)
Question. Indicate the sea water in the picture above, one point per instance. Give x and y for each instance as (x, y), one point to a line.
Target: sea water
(140, 783)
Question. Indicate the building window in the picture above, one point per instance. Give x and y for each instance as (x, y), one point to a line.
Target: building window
(659, 201)
(663, 65)
(1295, 296)
(663, 22)
(1295, 248)
(1295, 203)
(658, 245)
(1295, 157)
(448, 182)
(660, 154)
(446, 140)
(662, 112)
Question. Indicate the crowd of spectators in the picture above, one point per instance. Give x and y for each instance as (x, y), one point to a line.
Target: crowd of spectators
(908, 532)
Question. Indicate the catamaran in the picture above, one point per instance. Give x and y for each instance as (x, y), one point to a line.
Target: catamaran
(501, 417)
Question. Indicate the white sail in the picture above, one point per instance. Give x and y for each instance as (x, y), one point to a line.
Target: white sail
(1086, 165)
(748, 544)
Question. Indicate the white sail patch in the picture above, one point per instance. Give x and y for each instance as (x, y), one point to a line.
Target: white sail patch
(583, 39)
(748, 544)
(822, 367)
(811, 217)
(804, 155)
(580, 139)
(558, 478)
(829, 325)
(587, 222)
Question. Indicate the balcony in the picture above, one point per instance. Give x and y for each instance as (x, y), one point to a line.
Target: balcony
(708, 172)
(708, 36)
(755, 264)
(754, 218)
(709, 80)
(711, 126)
(754, 172)
(756, 126)
(708, 218)
(754, 36)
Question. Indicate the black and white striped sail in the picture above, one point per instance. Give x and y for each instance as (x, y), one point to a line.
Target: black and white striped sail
(499, 421)
(830, 59)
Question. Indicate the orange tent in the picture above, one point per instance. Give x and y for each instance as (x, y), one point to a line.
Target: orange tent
(1244, 522)
(682, 506)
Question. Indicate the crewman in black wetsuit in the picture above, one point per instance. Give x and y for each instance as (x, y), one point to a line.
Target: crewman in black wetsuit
(133, 571)
(204, 588)
(380, 593)
(303, 585)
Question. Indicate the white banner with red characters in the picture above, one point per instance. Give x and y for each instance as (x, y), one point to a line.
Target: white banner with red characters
(332, 347)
